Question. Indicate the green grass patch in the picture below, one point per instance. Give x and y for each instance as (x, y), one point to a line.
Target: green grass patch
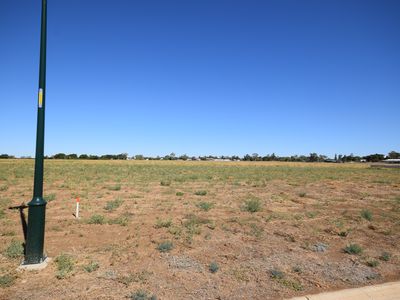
(366, 214)
(200, 193)
(91, 266)
(206, 206)
(353, 249)
(160, 223)
(97, 219)
(65, 265)
(14, 250)
(7, 280)
(165, 246)
(252, 205)
(113, 204)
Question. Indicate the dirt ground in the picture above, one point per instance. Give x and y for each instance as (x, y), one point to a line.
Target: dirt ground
(202, 230)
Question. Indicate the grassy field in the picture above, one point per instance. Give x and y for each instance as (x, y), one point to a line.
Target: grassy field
(202, 230)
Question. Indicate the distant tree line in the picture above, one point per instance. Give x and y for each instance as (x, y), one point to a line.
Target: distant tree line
(312, 157)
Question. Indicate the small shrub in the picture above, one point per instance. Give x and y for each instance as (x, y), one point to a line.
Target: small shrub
(366, 214)
(252, 205)
(50, 197)
(385, 256)
(142, 295)
(122, 220)
(6, 280)
(311, 214)
(165, 246)
(213, 267)
(353, 249)
(179, 194)
(297, 269)
(163, 223)
(97, 219)
(343, 233)
(165, 183)
(276, 274)
(14, 250)
(116, 187)
(302, 194)
(200, 193)
(65, 266)
(206, 206)
(3, 188)
(2, 214)
(372, 263)
(114, 204)
(91, 267)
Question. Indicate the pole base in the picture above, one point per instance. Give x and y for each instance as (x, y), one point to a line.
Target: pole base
(35, 267)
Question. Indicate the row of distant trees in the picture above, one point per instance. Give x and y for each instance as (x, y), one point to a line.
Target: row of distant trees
(312, 157)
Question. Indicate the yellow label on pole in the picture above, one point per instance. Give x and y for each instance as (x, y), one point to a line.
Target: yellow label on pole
(40, 98)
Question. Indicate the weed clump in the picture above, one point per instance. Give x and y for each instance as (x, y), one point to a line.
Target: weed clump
(206, 206)
(163, 223)
(353, 249)
(366, 214)
(179, 194)
(165, 183)
(213, 267)
(91, 267)
(50, 197)
(165, 246)
(385, 256)
(114, 204)
(141, 295)
(6, 280)
(97, 219)
(252, 205)
(65, 265)
(200, 193)
(372, 263)
(116, 187)
(14, 250)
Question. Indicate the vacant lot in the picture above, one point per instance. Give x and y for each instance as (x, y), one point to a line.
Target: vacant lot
(202, 230)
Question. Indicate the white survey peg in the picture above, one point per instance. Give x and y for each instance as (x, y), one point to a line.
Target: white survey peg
(77, 208)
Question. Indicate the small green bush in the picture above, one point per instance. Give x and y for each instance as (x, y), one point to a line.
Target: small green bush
(114, 204)
(163, 223)
(366, 214)
(97, 219)
(200, 193)
(353, 249)
(122, 220)
(14, 250)
(179, 194)
(252, 205)
(65, 265)
(165, 246)
(372, 263)
(276, 274)
(206, 206)
(385, 256)
(213, 267)
(302, 194)
(142, 295)
(116, 187)
(165, 183)
(6, 280)
(50, 197)
(91, 267)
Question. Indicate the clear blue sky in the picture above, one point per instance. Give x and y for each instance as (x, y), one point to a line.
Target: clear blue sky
(203, 77)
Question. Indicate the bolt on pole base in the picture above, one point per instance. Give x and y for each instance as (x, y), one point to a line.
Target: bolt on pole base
(34, 267)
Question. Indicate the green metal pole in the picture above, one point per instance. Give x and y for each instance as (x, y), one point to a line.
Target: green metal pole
(37, 206)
